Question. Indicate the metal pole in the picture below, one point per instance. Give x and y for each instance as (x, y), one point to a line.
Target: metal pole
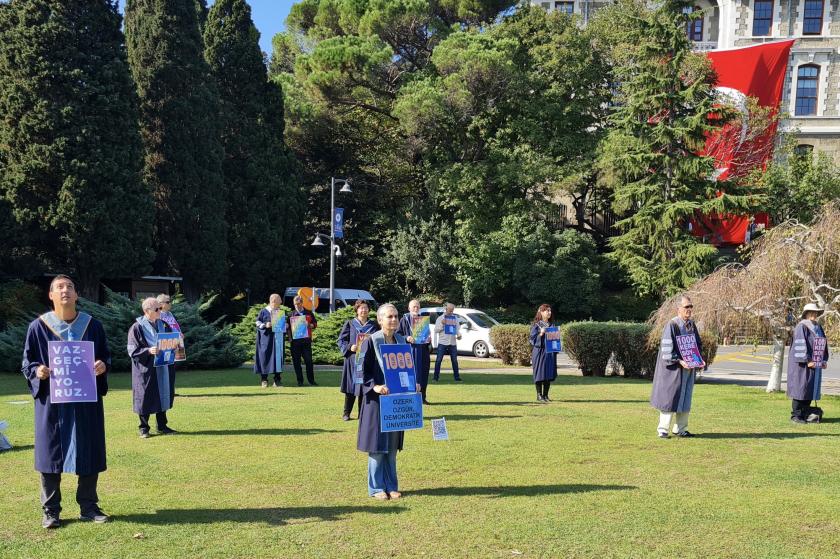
(332, 244)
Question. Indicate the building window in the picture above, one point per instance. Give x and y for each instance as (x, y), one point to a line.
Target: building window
(762, 17)
(813, 21)
(803, 150)
(546, 5)
(565, 7)
(693, 27)
(806, 90)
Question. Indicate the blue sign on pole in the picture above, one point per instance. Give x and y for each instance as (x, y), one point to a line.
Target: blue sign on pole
(400, 412)
(338, 220)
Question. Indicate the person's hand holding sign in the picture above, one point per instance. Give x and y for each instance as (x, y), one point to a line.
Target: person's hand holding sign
(42, 372)
(381, 389)
(99, 367)
(153, 350)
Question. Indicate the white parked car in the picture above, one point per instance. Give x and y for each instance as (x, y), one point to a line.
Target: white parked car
(474, 327)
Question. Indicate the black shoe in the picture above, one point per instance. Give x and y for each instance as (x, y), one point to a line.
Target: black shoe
(51, 521)
(313, 383)
(276, 384)
(300, 384)
(144, 433)
(685, 434)
(546, 398)
(426, 403)
(94, 515)
(166, 431)
(435, 379)
(798, 420)
(813, 418)
(540, 398)
(459, 379)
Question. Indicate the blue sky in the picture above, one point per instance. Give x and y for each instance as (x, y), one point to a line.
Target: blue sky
(268, 15)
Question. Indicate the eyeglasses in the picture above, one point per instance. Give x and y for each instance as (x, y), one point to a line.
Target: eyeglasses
(688, 306)
(156, 309)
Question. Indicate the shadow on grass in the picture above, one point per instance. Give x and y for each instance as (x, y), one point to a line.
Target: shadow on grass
(519, 490)
(830, 420)
(520, 403)
(603, 401)
(463, 417)
(258, 431)
(763, 435)
(273, 516)
(275, 392)
(17, 449)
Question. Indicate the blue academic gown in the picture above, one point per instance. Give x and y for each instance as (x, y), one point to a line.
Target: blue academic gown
(543, 364)
(371, 438)
(419, 352)
(673, 386)
(266, 359)
(69, 438)
(150, 384)
(804, 383)
(346, 338)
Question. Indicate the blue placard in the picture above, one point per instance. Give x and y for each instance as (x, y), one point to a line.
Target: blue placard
(398, 366)
(552, 340)
(400, 412)
(450, 325)
(338, 222)
(167, 344)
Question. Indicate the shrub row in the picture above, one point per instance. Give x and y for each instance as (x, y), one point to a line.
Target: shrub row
(511, 343)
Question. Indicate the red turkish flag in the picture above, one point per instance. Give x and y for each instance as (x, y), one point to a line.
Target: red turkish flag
(756, 71)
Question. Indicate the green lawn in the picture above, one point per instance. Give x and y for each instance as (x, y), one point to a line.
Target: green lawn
(275, 473)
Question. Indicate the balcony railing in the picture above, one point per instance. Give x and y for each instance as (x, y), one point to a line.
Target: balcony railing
(703, 46)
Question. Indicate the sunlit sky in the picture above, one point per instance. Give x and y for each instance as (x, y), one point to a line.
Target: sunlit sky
(268, 15)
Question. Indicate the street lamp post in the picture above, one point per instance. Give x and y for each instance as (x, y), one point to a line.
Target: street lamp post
(334, 249)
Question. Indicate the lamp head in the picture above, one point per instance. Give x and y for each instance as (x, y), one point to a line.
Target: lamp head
(317, 242)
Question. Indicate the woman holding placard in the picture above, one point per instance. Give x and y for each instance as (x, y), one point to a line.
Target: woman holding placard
(807, 357)
(381, 446)
(350, 339)
(543, 361)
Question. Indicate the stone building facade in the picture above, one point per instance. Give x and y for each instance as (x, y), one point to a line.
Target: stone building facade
(811, 95)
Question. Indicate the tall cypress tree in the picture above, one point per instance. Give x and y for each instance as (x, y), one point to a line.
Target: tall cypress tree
(653, 153)
(70, 149)
(179, 108)
(263, 198)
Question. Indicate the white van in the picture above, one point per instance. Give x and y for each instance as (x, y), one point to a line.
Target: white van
(343, 298)
(474, 327)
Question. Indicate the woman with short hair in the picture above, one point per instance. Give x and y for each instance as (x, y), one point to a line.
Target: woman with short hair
(352, 334)
(543, 363)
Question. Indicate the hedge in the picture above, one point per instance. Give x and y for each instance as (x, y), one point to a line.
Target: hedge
(630, 346)
(511, 343)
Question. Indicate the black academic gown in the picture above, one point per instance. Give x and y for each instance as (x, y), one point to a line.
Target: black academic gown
(346, 338)
(265, 358)
(69, 438)
(543, 364)
(371, 438)
(149, 396)
(419, 352)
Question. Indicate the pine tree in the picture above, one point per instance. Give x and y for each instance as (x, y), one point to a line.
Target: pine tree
(262, 191)
(70, 150)
(666, 108)
(179, 109)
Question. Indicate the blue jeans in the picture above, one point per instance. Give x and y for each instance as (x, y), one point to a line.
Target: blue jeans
(450, 350)
(382, 469)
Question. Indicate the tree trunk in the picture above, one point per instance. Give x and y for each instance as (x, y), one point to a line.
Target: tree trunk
(775, 382)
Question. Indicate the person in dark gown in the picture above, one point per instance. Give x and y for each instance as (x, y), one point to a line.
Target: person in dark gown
(805, 365)
(301, 348)
(269, 354)
(381, 447)
(543, 364)
(421, 352)
(673, 379)
(351, 337)
(69, 438)
(149, 383)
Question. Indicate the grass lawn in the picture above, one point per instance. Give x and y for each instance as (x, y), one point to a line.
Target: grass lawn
(275, 473)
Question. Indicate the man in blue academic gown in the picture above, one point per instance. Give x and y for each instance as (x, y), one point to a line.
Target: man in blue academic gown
(69, 438)
(673, 380)
(150, 384)
(270, 345)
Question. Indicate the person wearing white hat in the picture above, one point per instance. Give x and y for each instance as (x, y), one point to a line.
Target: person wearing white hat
(806, 359)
